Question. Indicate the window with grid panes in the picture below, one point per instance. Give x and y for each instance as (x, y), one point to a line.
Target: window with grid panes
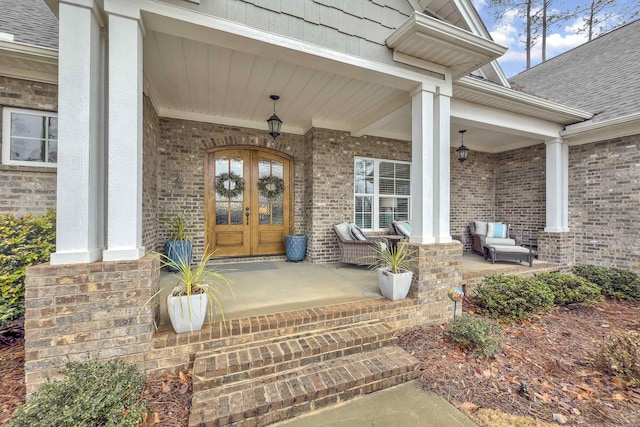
(29, 137)
(382, 192)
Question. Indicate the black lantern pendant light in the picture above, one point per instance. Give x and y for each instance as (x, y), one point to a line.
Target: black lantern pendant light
(462, 152)
(274, 121)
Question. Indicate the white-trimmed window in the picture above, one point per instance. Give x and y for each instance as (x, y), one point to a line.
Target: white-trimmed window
(29, 137)
(382, 191)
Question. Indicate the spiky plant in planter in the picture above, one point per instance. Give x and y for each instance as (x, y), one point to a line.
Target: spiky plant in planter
(394, 270)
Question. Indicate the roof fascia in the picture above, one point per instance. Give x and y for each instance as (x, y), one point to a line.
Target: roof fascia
(522, 98)
(475, 23)
(587, 132)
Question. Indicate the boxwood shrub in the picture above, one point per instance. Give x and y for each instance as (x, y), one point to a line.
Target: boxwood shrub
(24, 242)
(615, 282)
(570, 289)
(476, 334)
(513, 297)
(93, 394)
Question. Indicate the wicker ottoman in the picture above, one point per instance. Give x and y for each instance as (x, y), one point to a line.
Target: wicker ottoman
(508, 253)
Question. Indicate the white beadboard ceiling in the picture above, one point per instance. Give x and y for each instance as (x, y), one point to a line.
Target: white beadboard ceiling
(199, 81)
(194, 77)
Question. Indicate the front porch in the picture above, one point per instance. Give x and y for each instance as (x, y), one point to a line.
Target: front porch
(276, 286)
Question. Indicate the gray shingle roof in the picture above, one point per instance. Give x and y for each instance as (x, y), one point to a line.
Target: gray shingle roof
(602, 76)
(30, 21)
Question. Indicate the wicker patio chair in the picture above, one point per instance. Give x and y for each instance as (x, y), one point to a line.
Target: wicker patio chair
(354, 251)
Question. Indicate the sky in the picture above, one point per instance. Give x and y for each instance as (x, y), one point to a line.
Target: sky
(509, 32)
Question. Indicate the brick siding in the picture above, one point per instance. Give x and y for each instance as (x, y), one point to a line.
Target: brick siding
(87, 310)
(150, 176)
(521, 190)
(604, 202)
(472, 193)
(25, 189)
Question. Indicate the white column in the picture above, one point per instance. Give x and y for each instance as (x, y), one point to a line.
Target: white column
(557, 180)
(430, 168)
(124, 203)
(80, 174)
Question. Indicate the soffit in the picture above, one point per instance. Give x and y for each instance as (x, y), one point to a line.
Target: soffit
(442, 43)
(25, 61)
(188, 78)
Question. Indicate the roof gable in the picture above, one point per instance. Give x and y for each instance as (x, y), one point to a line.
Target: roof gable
(30, 22)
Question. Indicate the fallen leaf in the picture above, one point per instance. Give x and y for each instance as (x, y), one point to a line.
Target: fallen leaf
(468, 406)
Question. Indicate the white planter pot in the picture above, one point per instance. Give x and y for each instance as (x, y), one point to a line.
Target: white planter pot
(394, 286)
(179, 308)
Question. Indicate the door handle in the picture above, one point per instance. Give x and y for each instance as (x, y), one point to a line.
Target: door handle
(246, 213)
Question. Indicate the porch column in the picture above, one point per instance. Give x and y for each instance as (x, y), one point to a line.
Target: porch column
(557, 186)
(80, 182)
(430, 169)
(124, 212)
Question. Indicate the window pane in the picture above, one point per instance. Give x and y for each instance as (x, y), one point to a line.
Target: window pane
(264, 214)
(27, 150)
(403, 171)
(386, 186)
(222, 213)
(386, 170)
(369, 186)
(26, 125)
(403, 188)
(53, 128)
(53, 151)
(277, 216)
(236, 213)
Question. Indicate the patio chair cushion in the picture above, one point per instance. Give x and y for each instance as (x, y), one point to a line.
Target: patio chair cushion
(344, 231)
(497, 230)
(480, 228)
(498, 241)
(357, 233)
(403, 228)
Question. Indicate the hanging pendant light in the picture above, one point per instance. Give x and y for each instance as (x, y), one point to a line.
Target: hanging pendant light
(462, 152)
(274, 121)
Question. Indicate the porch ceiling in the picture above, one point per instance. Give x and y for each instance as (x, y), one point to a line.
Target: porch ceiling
(191, 79)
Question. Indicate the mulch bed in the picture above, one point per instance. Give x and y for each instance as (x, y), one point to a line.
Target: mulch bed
(550, 354)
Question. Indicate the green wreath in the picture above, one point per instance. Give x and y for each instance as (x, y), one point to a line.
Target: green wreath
(229, 185)
(271, 187)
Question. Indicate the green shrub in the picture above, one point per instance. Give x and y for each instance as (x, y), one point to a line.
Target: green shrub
(615, 282)
(570, 289)
(93, 394)
(513, 297)
(619, 354)
(24, 242)
(477, 334)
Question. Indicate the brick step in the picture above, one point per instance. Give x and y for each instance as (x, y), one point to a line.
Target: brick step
(291, 393)
(215, 368)
(173, 352)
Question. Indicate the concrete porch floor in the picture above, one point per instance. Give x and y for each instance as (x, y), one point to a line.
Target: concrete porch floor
(265, 287)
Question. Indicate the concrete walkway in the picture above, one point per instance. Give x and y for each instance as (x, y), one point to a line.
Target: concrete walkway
(404, 405)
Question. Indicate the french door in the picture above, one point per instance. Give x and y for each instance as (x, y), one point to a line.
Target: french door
(248, 201)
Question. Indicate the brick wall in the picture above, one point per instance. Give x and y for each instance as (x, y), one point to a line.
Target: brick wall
(604, 202)
(88, 310)
(331, 170)
(472, 193)
(150, 176)
(521, 190)
(22, 188)
(439, 269)
(182, 147)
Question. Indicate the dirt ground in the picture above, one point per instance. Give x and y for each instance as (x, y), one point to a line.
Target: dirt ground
(550, 353)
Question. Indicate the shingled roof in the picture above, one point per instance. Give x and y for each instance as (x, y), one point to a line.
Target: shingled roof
(30, 21)
(600, 76)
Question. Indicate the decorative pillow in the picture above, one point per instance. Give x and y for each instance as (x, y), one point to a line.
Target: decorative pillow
(497, 230)
(403, 228)
(481, 228)
(357, 233)
(344, 231)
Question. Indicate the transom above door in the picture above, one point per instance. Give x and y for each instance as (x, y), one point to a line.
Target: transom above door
(248, 201)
